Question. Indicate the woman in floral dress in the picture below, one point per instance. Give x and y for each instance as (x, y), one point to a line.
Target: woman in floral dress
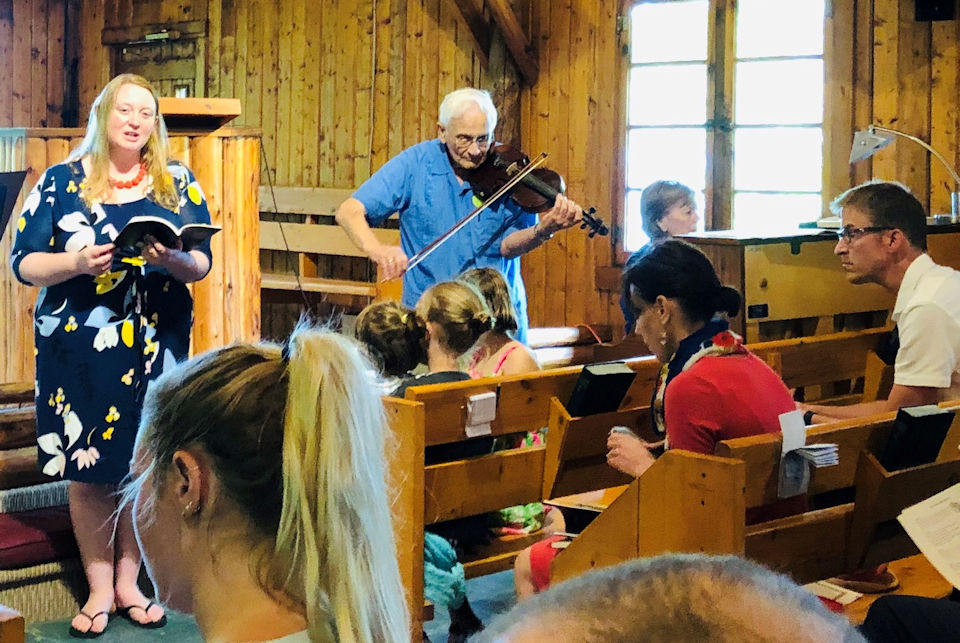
(107, 321)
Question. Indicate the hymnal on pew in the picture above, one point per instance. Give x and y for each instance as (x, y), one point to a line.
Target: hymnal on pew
(916, 436)
(600, 388)
(191, 234)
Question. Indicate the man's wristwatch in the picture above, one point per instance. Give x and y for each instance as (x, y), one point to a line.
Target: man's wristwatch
(538, 233)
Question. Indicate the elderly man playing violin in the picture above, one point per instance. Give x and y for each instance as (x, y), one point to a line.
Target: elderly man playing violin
(428, 185)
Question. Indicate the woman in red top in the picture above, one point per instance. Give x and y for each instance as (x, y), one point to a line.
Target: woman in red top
(711, 388)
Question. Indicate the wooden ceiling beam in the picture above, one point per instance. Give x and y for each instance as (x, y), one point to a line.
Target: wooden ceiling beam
(517, 41)
(472, 15)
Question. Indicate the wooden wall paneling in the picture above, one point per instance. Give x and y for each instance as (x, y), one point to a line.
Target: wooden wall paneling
(608, 133)
(214, 17)
(52, 94)
(21, 63)
(413, 50)
(253, 100)
(94, 64)
(226, 59)
(398, 56)
(7, 76)
(308, 111)
(862, 87)
(248, 240)
(348, 106)
(282, 124)
(270, 72)
(16, 300)
(913, 92)
(838, 119)
(944, 115)
(430, 64)
(242, 55)
(39, 42)
(559, 122)
(535, 127)
(581, 298)
(383, 119)
(363, 118)
(449, 53)
(328, 93)
(886, 59)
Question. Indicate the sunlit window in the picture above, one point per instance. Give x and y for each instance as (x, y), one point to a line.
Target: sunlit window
(774, 126)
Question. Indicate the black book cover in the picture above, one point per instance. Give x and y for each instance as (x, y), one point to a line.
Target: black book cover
(192, 234)
(600, 388)
(916, 436)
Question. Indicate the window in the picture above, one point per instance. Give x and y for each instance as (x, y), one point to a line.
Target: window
(750, 147)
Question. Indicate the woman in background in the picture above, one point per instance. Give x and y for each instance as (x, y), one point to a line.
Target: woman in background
(106, 324)
(667, 208)
(260, 494)
(497, 352)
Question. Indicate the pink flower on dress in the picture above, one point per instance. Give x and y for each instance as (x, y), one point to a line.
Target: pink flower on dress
(86, 457)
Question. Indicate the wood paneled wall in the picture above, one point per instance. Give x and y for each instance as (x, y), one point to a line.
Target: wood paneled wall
(885, 68)
(32, 75)
(340, 87)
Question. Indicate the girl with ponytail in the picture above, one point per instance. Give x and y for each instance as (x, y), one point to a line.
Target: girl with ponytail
(455, 315)
(710, 388)
(260, 496)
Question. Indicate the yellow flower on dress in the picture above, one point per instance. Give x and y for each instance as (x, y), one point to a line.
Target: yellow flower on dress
(72, 186)
(108, 280)
(127, 378)
(21, 224)
(50, 402)
(51, 241)
(126, 333)
(108, 434)
(134, 261)
(71, 324)
(150, 348)
(112, 415)
(194, 194)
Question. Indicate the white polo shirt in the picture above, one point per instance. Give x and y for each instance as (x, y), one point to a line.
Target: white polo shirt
(927, 314)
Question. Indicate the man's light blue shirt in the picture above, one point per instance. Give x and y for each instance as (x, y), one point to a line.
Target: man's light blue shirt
(420, 185)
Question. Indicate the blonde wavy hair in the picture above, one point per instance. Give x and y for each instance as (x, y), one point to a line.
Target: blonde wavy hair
(96, 145)
(298, 444)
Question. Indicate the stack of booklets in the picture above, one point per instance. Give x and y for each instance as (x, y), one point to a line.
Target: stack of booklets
(819, 455)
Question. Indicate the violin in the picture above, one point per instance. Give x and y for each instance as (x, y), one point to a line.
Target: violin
(536, 192)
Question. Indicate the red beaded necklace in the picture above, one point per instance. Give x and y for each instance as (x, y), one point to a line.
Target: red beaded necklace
(132, 182)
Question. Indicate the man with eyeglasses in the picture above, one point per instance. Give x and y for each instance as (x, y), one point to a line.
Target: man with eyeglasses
(884, 241)
(423, 185)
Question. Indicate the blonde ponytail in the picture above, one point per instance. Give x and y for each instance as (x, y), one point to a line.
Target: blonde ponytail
(335, 527)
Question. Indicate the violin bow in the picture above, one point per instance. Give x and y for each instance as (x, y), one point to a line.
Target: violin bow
(509, 185)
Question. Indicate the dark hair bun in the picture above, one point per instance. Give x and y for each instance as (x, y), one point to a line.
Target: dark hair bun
(481, 323)
(728, 301)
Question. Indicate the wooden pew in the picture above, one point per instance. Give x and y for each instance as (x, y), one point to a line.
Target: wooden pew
(809, 546)
(301, 237)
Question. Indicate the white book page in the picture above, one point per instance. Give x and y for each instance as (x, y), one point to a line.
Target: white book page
(934, 526)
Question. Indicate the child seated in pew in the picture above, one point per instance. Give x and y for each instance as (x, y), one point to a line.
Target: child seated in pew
(260, 496)
(449, 319)
(684, 598)
(497, 352)
(711, 388)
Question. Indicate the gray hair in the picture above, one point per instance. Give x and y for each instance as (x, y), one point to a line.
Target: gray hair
(458, 101)
(674, 597)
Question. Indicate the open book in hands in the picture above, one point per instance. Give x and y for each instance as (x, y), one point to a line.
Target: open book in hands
(191, 234)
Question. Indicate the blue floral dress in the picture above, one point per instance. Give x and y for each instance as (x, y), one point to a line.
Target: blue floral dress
(99, 340)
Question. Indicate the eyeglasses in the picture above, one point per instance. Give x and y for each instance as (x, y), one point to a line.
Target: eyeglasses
(465, 140)
(851, 234)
